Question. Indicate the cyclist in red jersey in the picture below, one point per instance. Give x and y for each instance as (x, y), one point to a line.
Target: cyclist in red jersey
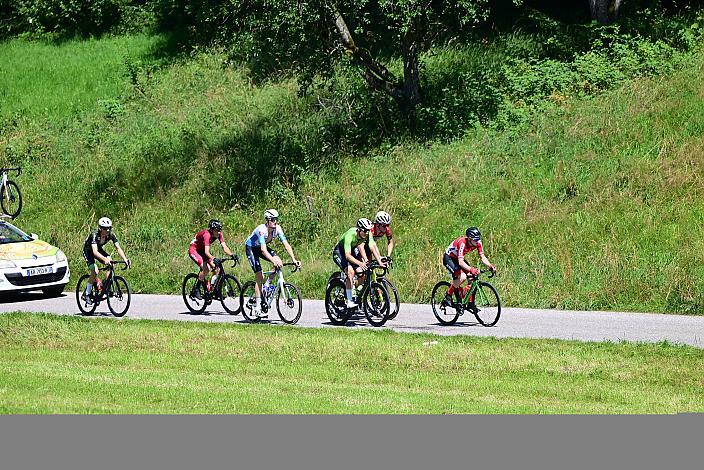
(454, 260)
(199, 250)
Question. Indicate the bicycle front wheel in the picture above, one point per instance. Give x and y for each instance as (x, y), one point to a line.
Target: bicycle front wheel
(393, 298)
(288, 304)
(376, 304)
(119, 296)
(193, 292)
(81, 298)
(442, 304)
(248, 300)
(230, 290)
(11, 199)
(487, 304)
(336, 302)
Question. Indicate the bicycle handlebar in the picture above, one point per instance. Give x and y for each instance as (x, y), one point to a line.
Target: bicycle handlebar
(18, 170)
(295, 266)
(108, 267)
(493, 273)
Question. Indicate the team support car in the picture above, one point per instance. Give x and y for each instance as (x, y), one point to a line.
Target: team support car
(27, 263)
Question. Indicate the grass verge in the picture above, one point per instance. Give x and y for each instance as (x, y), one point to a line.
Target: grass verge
(58, 364)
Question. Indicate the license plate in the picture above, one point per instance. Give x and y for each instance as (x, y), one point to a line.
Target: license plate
(39, 271)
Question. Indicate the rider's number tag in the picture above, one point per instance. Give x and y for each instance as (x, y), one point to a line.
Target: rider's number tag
(39, 271)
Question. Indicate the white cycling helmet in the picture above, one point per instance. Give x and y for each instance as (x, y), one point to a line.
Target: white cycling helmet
(364, 224)
(271, 214)
(105, 222)
(383, 218)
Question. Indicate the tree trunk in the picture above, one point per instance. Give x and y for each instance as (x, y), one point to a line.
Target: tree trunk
(407, 94)
(411, 75)
(604, 11)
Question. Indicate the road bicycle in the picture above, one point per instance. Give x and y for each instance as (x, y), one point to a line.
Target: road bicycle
(10, 194)
(391, 290)
(371, 295)
(482, 299)
(226, 289)
(114, 289)
(288, 298)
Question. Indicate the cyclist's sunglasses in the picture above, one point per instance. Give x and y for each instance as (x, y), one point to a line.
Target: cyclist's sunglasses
(274, 219)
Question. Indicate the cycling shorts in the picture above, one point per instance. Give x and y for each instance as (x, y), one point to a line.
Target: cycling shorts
(254, 253)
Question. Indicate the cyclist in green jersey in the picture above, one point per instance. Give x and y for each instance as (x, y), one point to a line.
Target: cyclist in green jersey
(343, 254)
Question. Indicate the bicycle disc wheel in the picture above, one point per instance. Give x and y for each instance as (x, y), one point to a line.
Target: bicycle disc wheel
(444, 311)
(119, 296)
(393, 298)
(11, 199)
(193, 292)
(488, 304)
(248, 301)
(376, 304)
(288, 304)
(80, 299)
(336, 303)
(230, 290)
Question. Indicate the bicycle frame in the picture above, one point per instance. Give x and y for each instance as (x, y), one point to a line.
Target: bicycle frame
(472, 291)
(269, 299)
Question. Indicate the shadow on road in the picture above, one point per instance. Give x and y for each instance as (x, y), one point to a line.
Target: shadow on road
(27, 297)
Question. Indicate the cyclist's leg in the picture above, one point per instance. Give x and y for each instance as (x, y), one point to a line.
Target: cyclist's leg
(253, 255)
(92, 272)
(344, 265)
(357, 253)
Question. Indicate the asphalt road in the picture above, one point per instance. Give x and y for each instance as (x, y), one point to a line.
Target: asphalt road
(417, 318)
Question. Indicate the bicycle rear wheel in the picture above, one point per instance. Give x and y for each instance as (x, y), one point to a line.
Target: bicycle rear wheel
(230, 291)
(119, 296)
(193, 292)
(487, 303)
(376, 304)
(80, 297)
(288, 304)
(11, 199)
(443, 308)
(336, 302)
(248, 301)
(393, 298)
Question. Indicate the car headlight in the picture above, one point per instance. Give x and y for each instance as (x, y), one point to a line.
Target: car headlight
(4, 264)
(60, 256)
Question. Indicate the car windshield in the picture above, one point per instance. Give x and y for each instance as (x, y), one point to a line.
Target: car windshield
(11, 234)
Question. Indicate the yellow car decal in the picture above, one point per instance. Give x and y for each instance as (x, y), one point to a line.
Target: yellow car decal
(25, 250)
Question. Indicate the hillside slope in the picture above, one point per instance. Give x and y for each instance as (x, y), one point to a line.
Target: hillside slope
(596, 205)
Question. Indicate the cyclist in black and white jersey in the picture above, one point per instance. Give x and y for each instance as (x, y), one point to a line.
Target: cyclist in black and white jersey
(93, 250)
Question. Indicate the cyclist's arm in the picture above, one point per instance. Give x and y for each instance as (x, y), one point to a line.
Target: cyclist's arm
(486, 261)
(120, 252)
(265, 252)
(208, 254)
(390, 248)
(289, 250)
(351, 259)
(226, 248)
(98, 256)
(466, 267)
(375, 252)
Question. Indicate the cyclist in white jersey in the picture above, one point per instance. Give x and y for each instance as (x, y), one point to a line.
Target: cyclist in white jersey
(256, 247)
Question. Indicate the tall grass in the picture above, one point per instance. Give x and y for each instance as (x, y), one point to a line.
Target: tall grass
(594, 204)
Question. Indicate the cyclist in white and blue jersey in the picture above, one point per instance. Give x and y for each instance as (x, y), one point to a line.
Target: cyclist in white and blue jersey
(256, 247)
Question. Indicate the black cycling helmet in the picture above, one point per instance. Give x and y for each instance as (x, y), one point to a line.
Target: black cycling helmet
(473, 233)
(215, 224)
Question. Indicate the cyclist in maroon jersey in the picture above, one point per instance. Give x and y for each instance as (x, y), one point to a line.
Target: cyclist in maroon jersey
(380, 229)
(454, 261)
(199, 250)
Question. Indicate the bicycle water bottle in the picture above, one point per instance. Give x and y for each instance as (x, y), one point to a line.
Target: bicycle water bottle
(213, 279)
